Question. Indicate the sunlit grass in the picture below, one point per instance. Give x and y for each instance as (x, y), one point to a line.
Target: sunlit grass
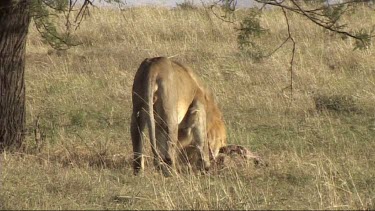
(319, 157)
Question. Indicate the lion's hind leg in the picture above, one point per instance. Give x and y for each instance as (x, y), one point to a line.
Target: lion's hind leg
(136, 128)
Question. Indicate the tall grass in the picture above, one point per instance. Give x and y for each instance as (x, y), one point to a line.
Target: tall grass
(320, 156)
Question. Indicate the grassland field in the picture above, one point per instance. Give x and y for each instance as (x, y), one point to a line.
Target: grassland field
(319, 145)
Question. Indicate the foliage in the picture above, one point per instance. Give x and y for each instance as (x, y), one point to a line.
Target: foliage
(57, 20)
(45, 15)
(324, 14)
(186, 5)
(321, 13)
(365, 39)
(249, 29)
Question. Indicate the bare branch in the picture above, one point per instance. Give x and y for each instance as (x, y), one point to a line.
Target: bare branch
(290, 37)
(280, 46)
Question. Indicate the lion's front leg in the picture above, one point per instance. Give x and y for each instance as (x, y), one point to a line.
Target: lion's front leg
(199, 133)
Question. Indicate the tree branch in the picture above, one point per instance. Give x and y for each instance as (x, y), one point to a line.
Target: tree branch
(326, 27)
(290, 37)
(310, 15)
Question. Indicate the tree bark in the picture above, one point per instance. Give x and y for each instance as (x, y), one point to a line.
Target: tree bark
(14, 24)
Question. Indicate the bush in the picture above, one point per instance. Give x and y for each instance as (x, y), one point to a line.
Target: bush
(187, 5)
(337, 103)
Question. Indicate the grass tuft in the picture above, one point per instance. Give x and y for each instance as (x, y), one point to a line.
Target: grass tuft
(336, 103)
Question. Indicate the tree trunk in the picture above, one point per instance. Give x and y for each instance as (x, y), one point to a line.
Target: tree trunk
(14, 24)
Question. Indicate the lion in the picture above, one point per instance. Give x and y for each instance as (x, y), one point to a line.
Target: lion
(216, 134)
(216, 131)
(176, 106)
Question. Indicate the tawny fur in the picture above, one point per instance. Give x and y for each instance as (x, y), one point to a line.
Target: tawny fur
(180, 113)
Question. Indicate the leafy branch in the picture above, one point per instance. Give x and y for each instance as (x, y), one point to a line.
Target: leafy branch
(327, 16)
(45, 13)
(319, 12)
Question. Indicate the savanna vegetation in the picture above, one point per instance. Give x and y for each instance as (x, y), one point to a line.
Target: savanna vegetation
(318, 145)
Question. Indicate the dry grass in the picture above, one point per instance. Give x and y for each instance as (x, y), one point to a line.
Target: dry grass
(318, 158)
